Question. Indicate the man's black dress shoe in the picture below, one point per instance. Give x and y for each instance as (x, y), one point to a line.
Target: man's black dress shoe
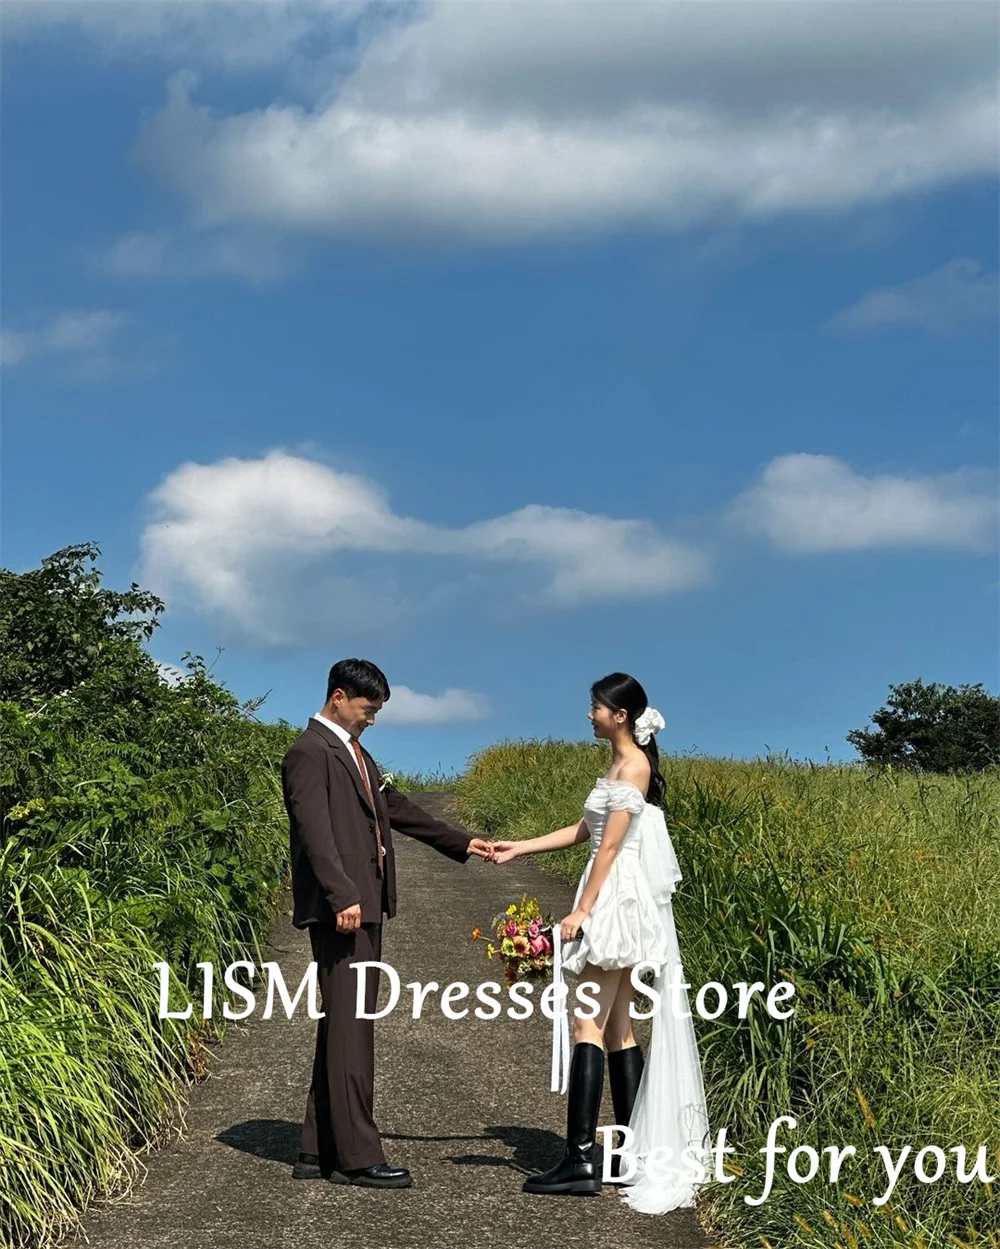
(307, 1168)
(382, 1175)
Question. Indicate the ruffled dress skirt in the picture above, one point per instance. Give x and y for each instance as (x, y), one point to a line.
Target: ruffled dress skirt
(625, 926)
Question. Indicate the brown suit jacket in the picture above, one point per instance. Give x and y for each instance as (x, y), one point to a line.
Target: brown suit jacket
(332, 831)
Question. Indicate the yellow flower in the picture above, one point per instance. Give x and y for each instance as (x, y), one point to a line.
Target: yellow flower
(490, 950)
(23, 810)
(512, 909)
(507, 946)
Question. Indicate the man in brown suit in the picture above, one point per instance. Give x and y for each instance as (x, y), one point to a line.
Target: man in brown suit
(343, 882)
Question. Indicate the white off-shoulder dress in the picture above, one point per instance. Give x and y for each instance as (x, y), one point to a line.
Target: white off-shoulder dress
(632, 921)
(624, 926)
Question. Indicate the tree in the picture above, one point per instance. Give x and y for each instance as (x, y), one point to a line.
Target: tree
(934, 728)
(59, 626)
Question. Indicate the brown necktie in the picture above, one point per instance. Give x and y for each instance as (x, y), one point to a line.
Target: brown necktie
(356, 747)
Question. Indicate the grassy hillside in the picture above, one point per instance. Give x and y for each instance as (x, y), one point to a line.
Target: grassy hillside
(878, 895)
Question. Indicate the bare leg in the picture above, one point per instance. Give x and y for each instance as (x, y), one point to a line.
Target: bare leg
(608, 987)
(618, 1033)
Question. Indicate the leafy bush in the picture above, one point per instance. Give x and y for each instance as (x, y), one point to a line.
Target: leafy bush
(139, 822)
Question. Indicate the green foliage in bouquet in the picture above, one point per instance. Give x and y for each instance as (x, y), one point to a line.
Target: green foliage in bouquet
(140, 820)
(523, 940)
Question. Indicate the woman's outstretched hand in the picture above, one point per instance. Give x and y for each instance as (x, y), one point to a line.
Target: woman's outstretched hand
(504, 851)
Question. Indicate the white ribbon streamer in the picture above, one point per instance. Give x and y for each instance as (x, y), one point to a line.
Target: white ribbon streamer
(560, 1019)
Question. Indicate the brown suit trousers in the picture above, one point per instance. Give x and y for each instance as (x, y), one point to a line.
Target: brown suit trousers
(340, 1124)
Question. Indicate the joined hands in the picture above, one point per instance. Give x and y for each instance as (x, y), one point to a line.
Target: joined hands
(503, 851)
(493, 851)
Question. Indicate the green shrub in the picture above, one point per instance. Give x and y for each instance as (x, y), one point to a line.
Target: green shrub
(140, 822)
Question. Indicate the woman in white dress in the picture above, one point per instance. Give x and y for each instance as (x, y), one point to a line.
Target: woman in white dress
(622, 916)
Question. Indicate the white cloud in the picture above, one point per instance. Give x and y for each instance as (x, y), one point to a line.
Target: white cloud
(406, 706)
(228, 35)
(807, 504)
(14, 347)
(560, 58)
(957, 294)
(84, 344)
(262, 543)
(349, 169)
(82, 331)
(170, 674)
(512, 121)
(284, 548)
(255, 255)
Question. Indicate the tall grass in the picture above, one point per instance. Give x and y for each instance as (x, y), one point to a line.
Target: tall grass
(878, 895)
(115, 856)
(424, 782)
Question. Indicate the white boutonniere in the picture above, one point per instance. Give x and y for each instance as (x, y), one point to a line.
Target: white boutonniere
(384, 779)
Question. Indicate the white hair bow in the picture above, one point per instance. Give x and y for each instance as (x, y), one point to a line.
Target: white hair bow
(649, 722)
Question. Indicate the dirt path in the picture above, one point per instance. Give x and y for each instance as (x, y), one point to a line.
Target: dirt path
(464, 1104)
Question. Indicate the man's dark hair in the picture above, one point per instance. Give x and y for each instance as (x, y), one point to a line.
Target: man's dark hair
(358, 678)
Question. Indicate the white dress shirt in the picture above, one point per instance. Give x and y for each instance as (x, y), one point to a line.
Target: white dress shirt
(346, 738)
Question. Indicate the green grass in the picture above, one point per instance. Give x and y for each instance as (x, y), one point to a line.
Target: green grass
(113, 858)
(878, 895)
(426, 782)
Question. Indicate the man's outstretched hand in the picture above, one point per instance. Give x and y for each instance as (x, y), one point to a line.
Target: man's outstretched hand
(481, 848)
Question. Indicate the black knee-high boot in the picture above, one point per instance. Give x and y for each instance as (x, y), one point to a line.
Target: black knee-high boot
(624, 1072)
(577, 1172)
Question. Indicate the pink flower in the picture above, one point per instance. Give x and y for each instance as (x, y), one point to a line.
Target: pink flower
(537, 946)
(534, 928)
(546, 945)
(511, 929)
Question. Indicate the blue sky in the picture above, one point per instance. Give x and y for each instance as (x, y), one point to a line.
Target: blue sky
(511, 345)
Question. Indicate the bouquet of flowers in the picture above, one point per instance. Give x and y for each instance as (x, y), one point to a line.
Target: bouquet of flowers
(523, 940)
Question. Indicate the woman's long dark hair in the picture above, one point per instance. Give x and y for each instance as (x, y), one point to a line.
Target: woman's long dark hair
(620, 692)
